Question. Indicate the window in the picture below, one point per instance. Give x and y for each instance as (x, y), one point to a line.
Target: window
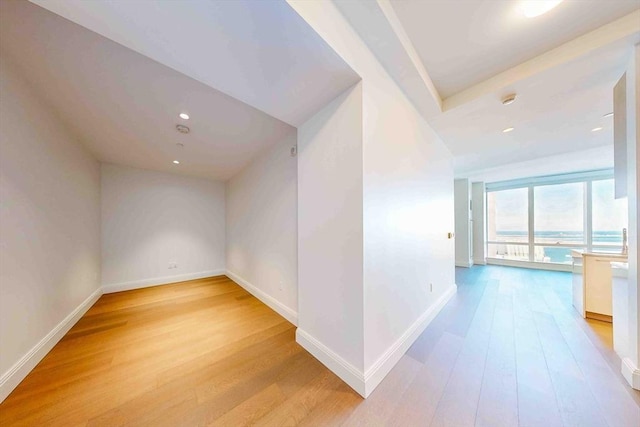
(558, 221)
(508, 216)
(609, 216)
(559, 214)
(508, 224)
(543, 219)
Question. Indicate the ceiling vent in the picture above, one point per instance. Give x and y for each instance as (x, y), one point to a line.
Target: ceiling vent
(509, 99)
(182, 129)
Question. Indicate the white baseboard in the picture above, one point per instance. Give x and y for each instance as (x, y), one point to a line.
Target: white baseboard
(480, 261)
(10, 379)
(157, 281)
(528, 264)
(365, 383)
(465, 264)
(376, 373)
(274, 304)
(631, 373)
(22, 367)
(336, 364)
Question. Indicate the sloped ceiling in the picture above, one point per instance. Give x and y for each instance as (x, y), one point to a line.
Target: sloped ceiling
(124, 106)
(259, 52)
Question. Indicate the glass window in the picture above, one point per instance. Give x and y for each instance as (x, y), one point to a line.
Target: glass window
(507, 215)
(511, 251)
(555, 254)
(609, 216)
(559, 214)
(565, 217)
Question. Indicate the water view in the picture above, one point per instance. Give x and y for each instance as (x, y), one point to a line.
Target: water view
(602, 240)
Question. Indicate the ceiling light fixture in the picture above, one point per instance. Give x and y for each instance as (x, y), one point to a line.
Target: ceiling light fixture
(596, 129)
(184, 116)
(176, 162)
(608, 115)
(509, 99)
(533, 8)
(507, 130)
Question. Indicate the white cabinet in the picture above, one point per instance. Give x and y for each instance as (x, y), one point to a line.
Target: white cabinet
(592, 292)
(620, 308)
(597, 277)
(578, 282)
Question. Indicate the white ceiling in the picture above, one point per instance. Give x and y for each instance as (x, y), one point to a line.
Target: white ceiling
(124, 106)
(553, 114)
(463, 42)
(264, 54)
(456, 60)
(259, 52)
(562, 65)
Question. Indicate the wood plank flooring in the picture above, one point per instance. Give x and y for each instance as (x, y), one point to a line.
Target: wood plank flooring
(507, 350)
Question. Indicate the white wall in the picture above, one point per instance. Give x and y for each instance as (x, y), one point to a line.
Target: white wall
(261, 228)
(462, 200)
(478, 215)
(330, 239)
(151, 219)
(575, 161)
(631, 365)
(407, 210)
(49, 226)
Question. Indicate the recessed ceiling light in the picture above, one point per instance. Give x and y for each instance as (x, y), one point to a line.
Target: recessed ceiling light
(176, 162)
(533, 8)
(608, 115)
(184, 116)
(507, 130)
(596, 129)
(509, 99)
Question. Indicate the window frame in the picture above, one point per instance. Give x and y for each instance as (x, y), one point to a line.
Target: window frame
(586, 178)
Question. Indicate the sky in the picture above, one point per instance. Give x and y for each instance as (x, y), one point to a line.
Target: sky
(560, 208)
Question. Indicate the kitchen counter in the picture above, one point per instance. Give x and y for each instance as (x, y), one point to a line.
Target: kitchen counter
(616, 255)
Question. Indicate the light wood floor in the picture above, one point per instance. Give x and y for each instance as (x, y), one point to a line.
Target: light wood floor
(507, 350)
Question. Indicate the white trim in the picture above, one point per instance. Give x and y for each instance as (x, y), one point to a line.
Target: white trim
(10, 379)
(376, 373)
(622, 28)
(336, 364)
(565, 178)
(157, 281)
(479, 261)
(532, 224)
(631, 373)
(365, 383)
(464, 264)
(277, 306)
(529, 264)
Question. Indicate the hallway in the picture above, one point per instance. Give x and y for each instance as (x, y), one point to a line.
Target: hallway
(510, 349)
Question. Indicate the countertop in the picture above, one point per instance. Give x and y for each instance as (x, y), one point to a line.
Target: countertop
(620, 269)
(617, 255)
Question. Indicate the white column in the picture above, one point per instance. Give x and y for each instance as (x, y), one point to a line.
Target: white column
(462, 203)
(478, 213)
(631, 364)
